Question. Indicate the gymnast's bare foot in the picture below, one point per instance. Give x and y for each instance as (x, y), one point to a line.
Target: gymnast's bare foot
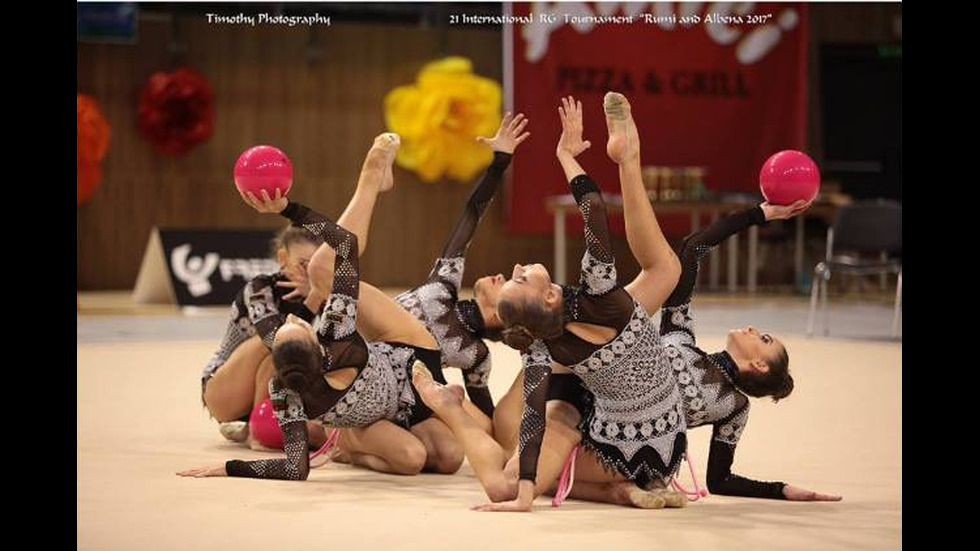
(436, 396)
(627, 493)
(624, 142)
(673, 499)
(234, 431)
(388, 144)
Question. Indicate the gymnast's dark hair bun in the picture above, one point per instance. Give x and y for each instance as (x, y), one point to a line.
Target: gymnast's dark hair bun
(517, 336)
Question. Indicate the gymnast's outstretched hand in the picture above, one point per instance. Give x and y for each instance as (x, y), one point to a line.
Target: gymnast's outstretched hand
(525, 498)
(204, 472)
(570, 142)
(510, 134)
(795, 493)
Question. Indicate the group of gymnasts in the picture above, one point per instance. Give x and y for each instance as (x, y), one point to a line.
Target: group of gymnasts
(600, 410)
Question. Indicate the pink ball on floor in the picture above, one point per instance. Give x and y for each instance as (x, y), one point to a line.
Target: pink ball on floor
(263, 426)
(789, 176)
(263, 167)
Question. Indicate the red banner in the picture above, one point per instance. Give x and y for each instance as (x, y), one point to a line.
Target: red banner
(721, 86)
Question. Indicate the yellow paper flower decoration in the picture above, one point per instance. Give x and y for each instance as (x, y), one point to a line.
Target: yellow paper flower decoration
(439, 118)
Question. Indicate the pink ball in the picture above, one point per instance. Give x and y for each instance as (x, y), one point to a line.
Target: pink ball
(263, 425)
(263, 167)
(789, 176)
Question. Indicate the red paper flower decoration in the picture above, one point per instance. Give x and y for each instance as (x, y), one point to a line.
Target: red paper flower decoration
(176, 111)
(92, 137)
